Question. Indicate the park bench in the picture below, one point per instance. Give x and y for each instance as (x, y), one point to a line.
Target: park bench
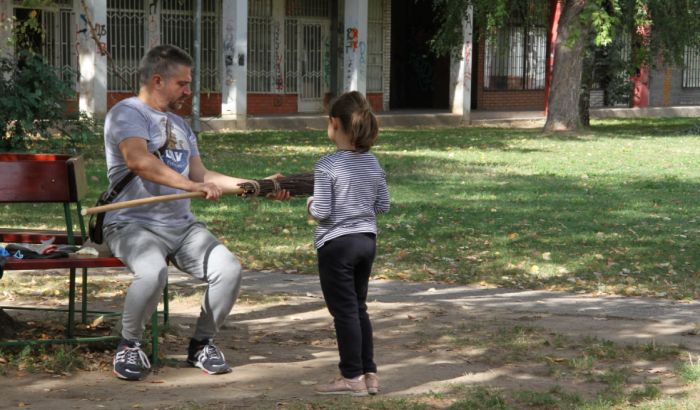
(56, 179)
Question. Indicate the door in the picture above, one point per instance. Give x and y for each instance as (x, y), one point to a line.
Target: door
(312, 35)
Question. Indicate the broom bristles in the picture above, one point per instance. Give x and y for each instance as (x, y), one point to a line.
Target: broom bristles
(297, 185)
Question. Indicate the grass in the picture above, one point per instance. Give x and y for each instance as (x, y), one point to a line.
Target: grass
(610, 210)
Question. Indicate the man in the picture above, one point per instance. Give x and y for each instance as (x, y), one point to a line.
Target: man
(144, 136)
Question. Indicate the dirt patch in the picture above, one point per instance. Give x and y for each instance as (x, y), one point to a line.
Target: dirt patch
(431, 353)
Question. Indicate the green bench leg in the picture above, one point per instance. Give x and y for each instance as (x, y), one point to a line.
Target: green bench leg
(71, 304)
(154, 325)
(84, 296)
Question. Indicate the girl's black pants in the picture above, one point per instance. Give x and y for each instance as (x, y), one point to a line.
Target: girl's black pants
(344, 265)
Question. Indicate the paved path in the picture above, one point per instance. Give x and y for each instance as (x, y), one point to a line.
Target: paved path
(611, 317)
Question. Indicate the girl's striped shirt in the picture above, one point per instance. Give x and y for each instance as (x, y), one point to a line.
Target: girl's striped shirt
(349, 191)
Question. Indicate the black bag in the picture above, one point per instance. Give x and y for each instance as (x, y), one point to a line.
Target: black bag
(97, 220)
(106, 197)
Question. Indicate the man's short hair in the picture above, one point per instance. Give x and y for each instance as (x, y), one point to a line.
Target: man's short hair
(162, 60)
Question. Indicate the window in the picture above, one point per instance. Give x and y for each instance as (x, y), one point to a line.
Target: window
(691, 68)
(516, 59)
(129, 23)
(375, 46)
(260, 68)
(127, 44)
(54, 40)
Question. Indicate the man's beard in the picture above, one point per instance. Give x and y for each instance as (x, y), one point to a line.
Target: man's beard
(176, 105)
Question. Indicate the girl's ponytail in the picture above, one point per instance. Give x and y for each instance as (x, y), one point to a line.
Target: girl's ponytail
(356, 118)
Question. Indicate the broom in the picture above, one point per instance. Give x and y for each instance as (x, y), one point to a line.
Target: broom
(296, 185)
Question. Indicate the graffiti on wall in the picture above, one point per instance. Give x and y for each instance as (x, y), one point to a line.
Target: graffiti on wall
(229, 53)
(279, 75)
(153, 29)
(98, 31)
(467, 64)
(327, 64)
(351, 46)
(363, 58)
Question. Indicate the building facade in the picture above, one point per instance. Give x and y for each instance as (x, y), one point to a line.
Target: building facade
(280, 57)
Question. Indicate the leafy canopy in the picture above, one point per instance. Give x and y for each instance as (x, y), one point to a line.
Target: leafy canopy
(661, 27)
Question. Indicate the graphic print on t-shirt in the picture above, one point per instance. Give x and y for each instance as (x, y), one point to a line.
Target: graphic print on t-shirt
(175, 155)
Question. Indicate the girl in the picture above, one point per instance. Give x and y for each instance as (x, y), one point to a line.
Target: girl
(349, 191)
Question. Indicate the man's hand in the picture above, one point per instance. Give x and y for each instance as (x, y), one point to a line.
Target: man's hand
(211, 190)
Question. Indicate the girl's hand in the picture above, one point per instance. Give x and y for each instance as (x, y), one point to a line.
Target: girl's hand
(281, 195)
(309, 200)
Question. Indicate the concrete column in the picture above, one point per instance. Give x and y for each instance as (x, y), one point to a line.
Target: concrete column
(355, 45)
(234, 64)
(5, 27)
(278, 46)
(92, 46)
(386, 59)
(461, 72)
(153, 25)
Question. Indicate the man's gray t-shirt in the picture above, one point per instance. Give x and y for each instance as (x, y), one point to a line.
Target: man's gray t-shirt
(134, 118)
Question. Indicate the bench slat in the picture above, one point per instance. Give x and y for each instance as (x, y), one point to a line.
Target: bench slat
(74, 261)
(10, 235)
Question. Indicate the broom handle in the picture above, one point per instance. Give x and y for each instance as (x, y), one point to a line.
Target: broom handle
(146, 201)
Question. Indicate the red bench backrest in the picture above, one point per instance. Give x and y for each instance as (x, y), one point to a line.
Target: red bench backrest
(42, 178)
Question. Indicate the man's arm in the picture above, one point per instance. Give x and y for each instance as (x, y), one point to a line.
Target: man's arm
(147, 166)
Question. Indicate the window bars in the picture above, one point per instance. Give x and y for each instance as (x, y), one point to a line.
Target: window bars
(691, 68)
(128, 25)
(57, 43)
(516, 59)
(303, 65)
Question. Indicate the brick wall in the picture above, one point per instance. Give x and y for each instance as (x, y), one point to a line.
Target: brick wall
(210, 103)
(503, 99)
(666, 88)
(376, 100)
(272, 103)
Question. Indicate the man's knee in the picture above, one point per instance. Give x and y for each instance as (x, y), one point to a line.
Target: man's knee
(152, 277)
(224, 267)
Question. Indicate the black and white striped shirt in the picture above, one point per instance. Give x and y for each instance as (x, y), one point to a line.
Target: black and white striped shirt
(349, 191)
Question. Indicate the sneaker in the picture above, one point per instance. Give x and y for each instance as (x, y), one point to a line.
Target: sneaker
(341, 385)
(130, 362)
(372, 383)
(207, 357)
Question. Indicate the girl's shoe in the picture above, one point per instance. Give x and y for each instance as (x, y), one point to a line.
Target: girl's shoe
(341, 385)
(372, 383)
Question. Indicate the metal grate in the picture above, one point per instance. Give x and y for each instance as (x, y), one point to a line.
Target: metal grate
(375, 45)
(691, 68)
(177, 27)
(126, 22)
(126, 43)
(259, 8)
(307, 8)
(260, 68)
(291, 61)
(515, 59)
(58, 39)
(311, 58)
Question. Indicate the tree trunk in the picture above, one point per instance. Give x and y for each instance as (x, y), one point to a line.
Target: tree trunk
(563, 111)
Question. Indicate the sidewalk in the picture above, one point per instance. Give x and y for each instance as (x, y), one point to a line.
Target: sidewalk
(640, 319)
(428, 338)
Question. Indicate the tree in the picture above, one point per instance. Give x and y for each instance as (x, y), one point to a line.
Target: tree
(662, 30)
(33, 107)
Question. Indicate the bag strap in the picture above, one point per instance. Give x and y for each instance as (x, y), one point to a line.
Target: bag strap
(119, 187)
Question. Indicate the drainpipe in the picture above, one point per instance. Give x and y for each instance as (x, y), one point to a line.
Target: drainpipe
(196, 73)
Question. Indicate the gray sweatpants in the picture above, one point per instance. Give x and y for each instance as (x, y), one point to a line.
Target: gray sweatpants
(191, 248)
